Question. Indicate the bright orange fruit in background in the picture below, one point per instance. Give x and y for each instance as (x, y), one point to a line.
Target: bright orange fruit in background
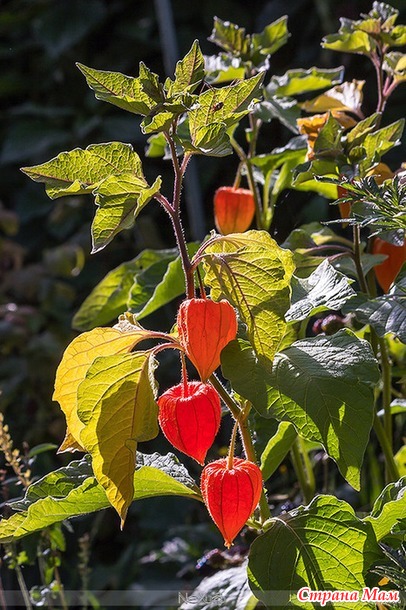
(234, 209)
(387, 271)
(205, 327)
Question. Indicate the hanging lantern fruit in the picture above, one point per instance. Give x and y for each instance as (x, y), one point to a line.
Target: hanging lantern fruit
(234, 209)
(387, 271)
(205, 327)
(231, 494)
(189, 416)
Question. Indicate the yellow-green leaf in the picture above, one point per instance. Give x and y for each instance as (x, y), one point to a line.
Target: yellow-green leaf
(75, 362)
(254, 274)
(341, 98)
(123, 91)
(119, 199)
(79, 171)
(116, 403)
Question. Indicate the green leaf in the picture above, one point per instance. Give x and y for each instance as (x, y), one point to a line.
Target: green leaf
(328, 142)
(126, 92)
(285, 109)
(323, 546)
(208, 140)
(395, 65)
(229, 37)
(299, 81)
(377, 143)
(119, 199)
(227, 588)
(272, 38)
(386, 314)
(324, 386)
(349, 42)
(189, 72)
(277, 448)
(324, 289)
(110, 297)
(170, 286)
(346, 97)
(73, 490)
(357, 135)
(79, 171)
(254, 274)
(116, 403)
(225, 105)
(388, 508)
(240, 365)
(223, 68)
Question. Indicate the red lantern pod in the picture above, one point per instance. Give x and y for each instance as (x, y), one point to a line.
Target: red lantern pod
(189, 416)
(234, 209)
(205, 327)
(231, 494)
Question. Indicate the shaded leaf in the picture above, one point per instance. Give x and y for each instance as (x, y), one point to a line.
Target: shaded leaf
(253, 273)
(324, 289)
(324, 386)
(73, 490)
(386, 313)
(320, 546)
(142, 285)
(116, 404)
(227, 588)
(241, 366)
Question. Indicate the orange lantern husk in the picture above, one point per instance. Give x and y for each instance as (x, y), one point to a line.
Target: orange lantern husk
(234, 209)
(231, 494)
(205, 327)
(189, 416)
(387, 271)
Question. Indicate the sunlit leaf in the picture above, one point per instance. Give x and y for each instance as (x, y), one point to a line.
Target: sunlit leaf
(78, 357)
(116, 404)
(80, 171)
(126, 92)
(344, 98)
(119, 200)
(272, 38)
(229, 36)
(189, 72)
(254, 274)
(320, 546)
(277, 448)
(299, 81)
(388, 508)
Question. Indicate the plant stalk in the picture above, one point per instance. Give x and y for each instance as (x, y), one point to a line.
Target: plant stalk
(391, 467)
(306, 483)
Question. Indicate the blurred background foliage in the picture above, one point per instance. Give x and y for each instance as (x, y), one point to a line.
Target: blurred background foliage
(46, 269)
